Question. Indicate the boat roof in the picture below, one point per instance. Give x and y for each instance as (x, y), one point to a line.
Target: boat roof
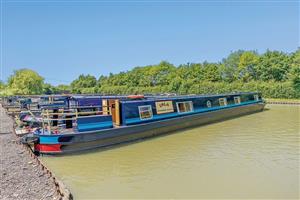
(178, 97)
(79, 97)
(125, 98)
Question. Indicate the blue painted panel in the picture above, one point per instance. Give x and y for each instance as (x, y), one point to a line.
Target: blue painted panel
(94, 126)
(137, 120)
(90, 102)
(47, 139)
(130, 110)
(86, 101)
(90, 123)
(94, 118)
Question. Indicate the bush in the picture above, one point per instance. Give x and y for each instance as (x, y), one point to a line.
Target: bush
(268, 89)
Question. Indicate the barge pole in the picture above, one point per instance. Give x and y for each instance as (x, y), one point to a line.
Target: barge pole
(23, 175)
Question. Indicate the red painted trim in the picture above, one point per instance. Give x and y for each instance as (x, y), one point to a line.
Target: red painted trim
(47, 147)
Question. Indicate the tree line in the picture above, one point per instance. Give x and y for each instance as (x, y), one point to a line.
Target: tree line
(274, 73)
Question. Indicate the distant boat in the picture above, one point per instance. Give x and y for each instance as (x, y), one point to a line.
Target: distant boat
(118, 119)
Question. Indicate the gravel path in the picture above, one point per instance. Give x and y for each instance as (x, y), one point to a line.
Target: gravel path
(21, 176)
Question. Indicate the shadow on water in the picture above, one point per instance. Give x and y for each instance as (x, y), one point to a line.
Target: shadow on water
(124, 144)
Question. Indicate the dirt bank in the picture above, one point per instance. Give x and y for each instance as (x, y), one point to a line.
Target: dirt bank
(21, 175)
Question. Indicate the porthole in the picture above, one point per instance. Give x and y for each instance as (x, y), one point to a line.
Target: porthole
(208, 104)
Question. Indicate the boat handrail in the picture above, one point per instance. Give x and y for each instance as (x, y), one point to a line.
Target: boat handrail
(73, 118)
(58, 119)
(91, 106)
(70, 113)
(12, 106)
(71, 108)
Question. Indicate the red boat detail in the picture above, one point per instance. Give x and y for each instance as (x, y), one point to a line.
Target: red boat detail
(47, 147)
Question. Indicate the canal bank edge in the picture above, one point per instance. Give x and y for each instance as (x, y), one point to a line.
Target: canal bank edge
(283, 101)
(62, 192)
(61, 188)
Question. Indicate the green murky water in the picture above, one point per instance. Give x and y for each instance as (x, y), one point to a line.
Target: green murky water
(255, 156)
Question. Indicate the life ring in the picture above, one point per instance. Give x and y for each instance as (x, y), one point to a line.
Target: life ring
(136, 96)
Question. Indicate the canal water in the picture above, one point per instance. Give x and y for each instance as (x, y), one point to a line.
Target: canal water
(255, 156)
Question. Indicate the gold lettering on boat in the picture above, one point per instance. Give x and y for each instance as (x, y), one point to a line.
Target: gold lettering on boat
(164, 107)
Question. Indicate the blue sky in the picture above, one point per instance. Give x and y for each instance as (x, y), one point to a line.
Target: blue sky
(63, 39)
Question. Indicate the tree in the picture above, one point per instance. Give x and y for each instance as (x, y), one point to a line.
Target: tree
(229, 67)
(175, 84)
(83, 82)
(158, 74)
(275, 73)
(3, 89)
(246, 66)
(273, 65)
(2, 85)
(25, 82)
(295, 70)
(211, 72)
(49, 89)
(63, 89)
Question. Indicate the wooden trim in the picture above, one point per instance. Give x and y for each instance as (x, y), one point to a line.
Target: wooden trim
(105, 108)
(117, 112)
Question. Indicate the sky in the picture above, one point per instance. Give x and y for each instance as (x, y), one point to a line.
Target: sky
(63, 39)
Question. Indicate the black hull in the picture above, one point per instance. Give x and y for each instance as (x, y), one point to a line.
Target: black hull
(86, 141)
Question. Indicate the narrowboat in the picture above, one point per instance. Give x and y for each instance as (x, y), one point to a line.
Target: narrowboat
(28, 119)
(53, 102)
(124, 119)
(15, 104)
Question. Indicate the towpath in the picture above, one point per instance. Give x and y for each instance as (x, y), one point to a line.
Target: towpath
(21, 176)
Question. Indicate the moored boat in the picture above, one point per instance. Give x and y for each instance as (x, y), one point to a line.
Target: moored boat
(122, 119)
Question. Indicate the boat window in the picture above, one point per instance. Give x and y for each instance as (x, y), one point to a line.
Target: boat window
(145, 112)
(256, 97)
(223, 102)
(208, 104)
(237, 100)
(186, 106)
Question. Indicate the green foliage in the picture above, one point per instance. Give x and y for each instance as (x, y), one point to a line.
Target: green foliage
(295, 70)
(25, 82)
(2, 85)
(248, 61)
(274, 73)
(49, 89)
(273, 65)
(63, 89)
(4, 91)
(211, 72)
(229, 67)
(84, 84)
(148, 76)
(268, 89)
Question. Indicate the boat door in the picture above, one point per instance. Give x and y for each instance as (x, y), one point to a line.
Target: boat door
(114, 108)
